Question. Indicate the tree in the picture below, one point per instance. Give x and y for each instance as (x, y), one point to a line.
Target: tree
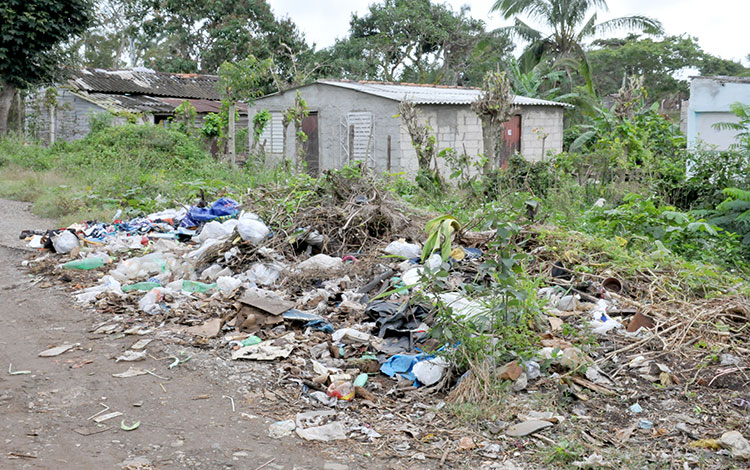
(494, 107)
(200, 35)
(571, 25)
(241, 81)
(658, 61)
(31, 37)
(411, 40)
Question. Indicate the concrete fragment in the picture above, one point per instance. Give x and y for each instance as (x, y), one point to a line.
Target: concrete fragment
(527, 427)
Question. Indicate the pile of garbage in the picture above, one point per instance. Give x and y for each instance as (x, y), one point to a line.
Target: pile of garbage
(342, 316)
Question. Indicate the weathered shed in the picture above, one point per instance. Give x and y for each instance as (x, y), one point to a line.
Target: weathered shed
(63, 112)
(358, 121)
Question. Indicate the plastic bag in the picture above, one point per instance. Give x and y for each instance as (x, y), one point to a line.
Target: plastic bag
(403, 249)
(64, 242)
(216, 230)
(227, 284)
(252, 230)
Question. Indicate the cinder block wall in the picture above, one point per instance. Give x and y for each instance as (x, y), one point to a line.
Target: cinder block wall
(536, 123)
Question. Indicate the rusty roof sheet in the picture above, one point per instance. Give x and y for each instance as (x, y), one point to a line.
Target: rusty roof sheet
(146, 82)
(429, 94)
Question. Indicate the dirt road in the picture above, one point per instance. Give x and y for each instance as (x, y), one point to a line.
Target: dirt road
(186, 416)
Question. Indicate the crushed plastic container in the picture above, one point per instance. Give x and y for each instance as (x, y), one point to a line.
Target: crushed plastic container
(341, 389)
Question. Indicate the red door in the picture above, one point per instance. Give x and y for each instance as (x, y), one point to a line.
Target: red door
(511, 140)
(310, 128)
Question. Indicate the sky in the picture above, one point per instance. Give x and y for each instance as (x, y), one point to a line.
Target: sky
(719, 25)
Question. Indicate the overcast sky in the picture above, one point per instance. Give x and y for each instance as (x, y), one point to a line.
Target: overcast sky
(720, 25)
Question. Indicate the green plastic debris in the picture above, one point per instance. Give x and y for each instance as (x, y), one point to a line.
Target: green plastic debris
(143, 286)
(361, 380)
(251, 340)
(132, 427)
(195, 286)
(86, 264)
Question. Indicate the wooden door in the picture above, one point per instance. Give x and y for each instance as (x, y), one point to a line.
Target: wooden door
(511, 141)
(312, 158)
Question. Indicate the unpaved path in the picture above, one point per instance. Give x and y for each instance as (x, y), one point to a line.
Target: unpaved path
(186, 421)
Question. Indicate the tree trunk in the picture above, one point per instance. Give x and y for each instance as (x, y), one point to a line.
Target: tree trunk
(7, 92)
(52, 124)
(489, 140)
(232, 148)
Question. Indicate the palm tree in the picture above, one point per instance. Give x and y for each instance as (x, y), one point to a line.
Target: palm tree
(571, 25)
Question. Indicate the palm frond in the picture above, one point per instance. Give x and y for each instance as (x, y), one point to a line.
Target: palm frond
(635, 22)
(532, 8)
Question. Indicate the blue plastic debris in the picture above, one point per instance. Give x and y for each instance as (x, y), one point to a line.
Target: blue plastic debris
(321, 325)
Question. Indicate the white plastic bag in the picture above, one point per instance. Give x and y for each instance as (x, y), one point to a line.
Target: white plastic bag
(227, 285)
(64, 242)
(251, 229)
(406, 250)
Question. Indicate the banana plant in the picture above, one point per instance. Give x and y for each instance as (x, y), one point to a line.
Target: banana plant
(439, 233)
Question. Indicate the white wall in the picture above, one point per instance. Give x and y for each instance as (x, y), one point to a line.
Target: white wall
(710, 99)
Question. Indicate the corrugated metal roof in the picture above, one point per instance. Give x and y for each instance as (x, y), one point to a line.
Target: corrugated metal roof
(151, 104)
(429, 94)
(146, 82)
(128, 103)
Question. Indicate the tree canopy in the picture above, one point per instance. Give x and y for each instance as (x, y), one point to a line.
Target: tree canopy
(32, 34)
(416, 41)
(569, 24)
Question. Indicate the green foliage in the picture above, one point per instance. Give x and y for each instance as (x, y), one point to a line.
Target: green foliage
(733, 214)
(571, 23)
(505, 311)
(183, 119)
(242, 80)
(659, 61)
(640, 223)
(413, 40)
(439, 236)
(138, 167)
(31, 32)
(260, 120)
(98, 121)
(741, 128)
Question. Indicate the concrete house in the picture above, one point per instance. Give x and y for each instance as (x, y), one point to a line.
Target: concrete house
(710, 99)
(63, 112)
(351, 121)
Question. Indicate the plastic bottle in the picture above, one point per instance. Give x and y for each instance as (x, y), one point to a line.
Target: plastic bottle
(195, 286)
(144, 286)
(86, 264)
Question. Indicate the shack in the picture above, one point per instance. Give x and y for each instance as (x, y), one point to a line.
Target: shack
(351, 120)
(65, 110)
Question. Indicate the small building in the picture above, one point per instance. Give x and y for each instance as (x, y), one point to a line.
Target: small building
(140, 94)
(351, 121)
(710, 99)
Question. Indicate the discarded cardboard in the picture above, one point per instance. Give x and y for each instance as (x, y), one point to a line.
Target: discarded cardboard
(209, 329)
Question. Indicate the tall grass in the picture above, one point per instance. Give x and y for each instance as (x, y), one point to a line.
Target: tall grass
(138, 168)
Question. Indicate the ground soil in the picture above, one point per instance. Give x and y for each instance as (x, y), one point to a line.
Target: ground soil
(186, 420)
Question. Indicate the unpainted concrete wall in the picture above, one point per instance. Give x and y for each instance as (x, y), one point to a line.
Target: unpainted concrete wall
(710, 99)
(333, 105)
(541, 131)
(454, 126)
